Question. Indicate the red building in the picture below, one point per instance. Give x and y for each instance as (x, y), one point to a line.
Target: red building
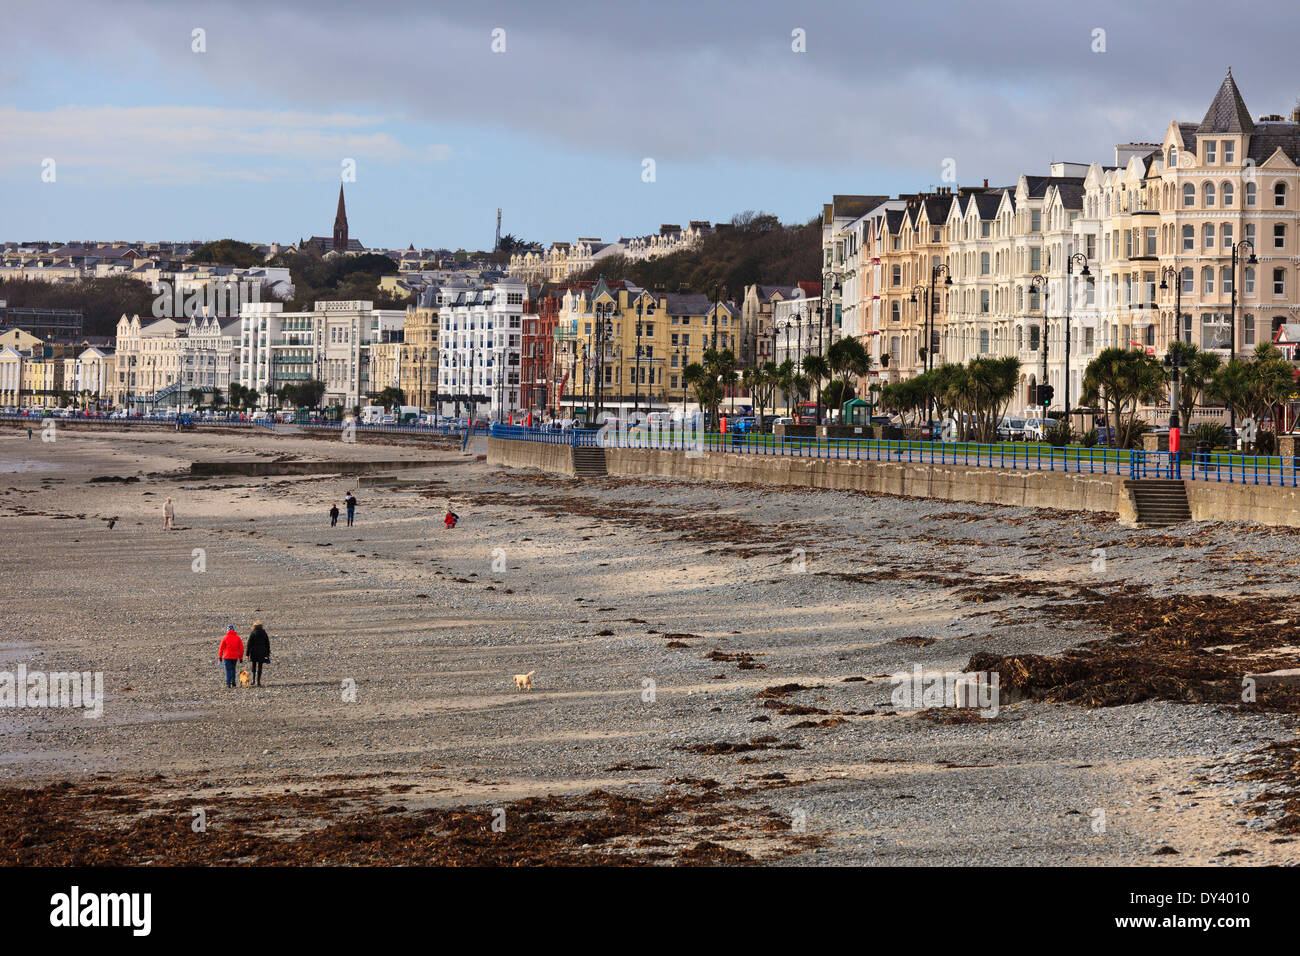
(540, 378)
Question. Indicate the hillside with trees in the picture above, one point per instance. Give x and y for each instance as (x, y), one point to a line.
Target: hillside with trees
(338, 277)
(227, 252)
(753, 247)
(101, 301)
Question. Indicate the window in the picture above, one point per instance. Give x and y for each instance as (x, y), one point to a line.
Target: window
(984, 341)
(984, 263)
(1207, 280)
(1279, 235)
(1214, 330)
(1173, 156)
(1209, 151)
(896, 275)
(1279, 282)
(1250, 280)
(1250, 232)
(1189, 238)
(1225, 231)
(1225, 280)
(894, 311)
(1248, 329)
(1187, 329)
(1207, 236)
(1279, 194)
(1189, 280)
(1209, 195)
(1036, 220)
(1229, 193)
(1251, 192)
(1151, 242)
(1189, 194)
(1033, 338)
(985, 229)
(1229, 151)
(984, 300)
(1035, 259)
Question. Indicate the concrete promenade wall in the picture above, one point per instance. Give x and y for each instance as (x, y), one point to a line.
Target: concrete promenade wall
(1256, 504)
(557, 459)
(1003, 486)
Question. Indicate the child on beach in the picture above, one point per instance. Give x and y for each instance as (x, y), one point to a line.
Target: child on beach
(230, 653)
(451, 519)
(334, 515)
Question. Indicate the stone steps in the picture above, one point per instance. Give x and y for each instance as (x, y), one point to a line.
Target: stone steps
(589, 462)
(1159, 502)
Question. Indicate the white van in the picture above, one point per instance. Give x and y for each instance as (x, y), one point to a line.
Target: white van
(372, 414)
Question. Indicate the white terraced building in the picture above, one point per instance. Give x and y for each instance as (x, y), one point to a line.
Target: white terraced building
(479, 349)
(331, 344)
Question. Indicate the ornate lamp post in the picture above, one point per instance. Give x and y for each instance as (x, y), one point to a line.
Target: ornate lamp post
(1069, 273)
(1039, 282)
(1232, 318)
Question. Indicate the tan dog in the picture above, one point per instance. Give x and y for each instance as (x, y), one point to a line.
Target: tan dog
(524, 681)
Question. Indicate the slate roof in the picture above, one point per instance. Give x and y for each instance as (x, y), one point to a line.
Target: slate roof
(1227, 112)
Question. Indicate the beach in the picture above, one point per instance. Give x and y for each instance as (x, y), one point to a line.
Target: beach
(715, 668)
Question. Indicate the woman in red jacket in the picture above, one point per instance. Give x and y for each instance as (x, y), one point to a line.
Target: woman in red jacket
(230, 653)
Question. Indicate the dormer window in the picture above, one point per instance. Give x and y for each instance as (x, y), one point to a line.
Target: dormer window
(1209, 151)
(1173, 157)
(1229, 151)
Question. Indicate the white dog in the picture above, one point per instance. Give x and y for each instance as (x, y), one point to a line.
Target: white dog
(524, 681)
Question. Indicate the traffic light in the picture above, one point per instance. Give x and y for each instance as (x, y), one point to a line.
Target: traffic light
(1045, 393)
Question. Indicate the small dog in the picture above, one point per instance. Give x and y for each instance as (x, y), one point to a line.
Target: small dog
(524, 681)
(245, 678)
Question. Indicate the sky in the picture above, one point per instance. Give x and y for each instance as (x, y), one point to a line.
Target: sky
(144, 120)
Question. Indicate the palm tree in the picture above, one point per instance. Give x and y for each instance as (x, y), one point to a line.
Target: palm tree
(1121, 380)
(1195, 378)
(1254, 388)
(708, 393)
(837, 392)
(817, 369)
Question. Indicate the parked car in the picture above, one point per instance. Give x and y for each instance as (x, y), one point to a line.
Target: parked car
(1036, 428)
(1011, 429)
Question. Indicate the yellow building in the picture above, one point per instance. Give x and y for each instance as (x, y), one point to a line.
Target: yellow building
(651, 339)
(419, 358)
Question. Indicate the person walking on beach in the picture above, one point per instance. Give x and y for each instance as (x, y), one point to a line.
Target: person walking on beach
(351, 503)
(169, 516)
(259, 650)
(334, 515)
(451, 519)
(230, 653)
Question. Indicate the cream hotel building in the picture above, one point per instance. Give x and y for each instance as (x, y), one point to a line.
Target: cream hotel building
(1155, 229)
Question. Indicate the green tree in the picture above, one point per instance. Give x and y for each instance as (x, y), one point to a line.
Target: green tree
(1120, 380)
(196, 396)
(227, 252)
(391, 397)
(1195, 379)
(817, 370)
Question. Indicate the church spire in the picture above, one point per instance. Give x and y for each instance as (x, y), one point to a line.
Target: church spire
(341, 225)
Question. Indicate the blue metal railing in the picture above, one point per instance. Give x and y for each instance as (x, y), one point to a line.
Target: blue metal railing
(1223, 467)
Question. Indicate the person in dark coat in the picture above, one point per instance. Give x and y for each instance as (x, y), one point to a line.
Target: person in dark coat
(351, 503)
(334, 515)
(258, 650)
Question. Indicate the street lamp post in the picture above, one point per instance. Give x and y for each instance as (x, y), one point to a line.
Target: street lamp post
(636, 404)
(1069, 273)
(927, 350)
(1175, 359)
(1039, 282)
(1232, 319)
